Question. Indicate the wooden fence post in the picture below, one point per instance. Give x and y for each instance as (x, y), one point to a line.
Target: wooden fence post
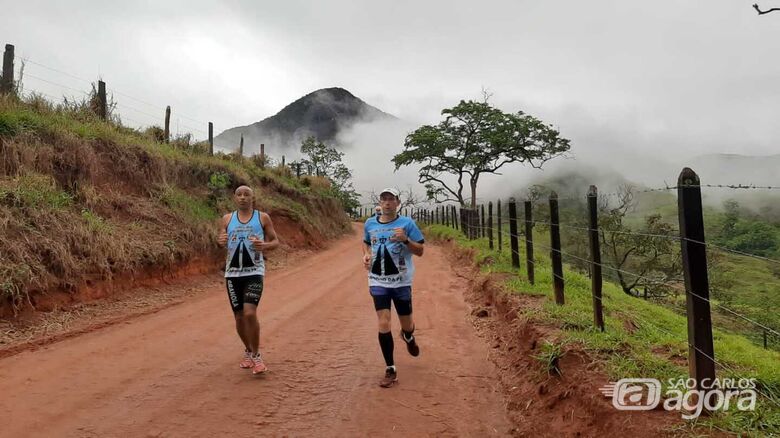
(7, 84)
(513, 233)
(262, 155)
(529, 241)
(102, 102)
(490, 224)
(211, 138)
(167, 131)
(241, 146)
(555, 251)
(595, 257)
(498, 224)
(701, 355)
(482, 221)
(474, 215)
(283, 162)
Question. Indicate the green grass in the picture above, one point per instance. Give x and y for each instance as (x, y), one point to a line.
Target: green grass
(13, 123)
(43, 119)
(641, 339)
(46, 120)
(96, 223)
(34, 191)
(197, 209)
(95, 191)
(743, 284)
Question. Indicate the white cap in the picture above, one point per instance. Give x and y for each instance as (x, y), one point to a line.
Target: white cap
(392, 191)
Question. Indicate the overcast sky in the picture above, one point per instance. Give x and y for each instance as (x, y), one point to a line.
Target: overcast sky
(659, 78)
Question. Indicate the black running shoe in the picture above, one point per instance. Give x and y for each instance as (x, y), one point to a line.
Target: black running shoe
(391, 377)
(411, 345)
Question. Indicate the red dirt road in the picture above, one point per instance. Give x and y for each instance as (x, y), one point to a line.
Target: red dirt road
(175, 372)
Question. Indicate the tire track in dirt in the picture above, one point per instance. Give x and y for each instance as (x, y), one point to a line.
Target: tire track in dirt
(175, 373)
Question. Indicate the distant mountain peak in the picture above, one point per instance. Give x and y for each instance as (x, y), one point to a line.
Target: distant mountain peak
(322, 113)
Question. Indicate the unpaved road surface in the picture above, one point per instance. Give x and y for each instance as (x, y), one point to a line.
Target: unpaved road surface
(175, 372)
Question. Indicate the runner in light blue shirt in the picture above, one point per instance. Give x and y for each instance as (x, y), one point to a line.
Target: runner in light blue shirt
(389, 242)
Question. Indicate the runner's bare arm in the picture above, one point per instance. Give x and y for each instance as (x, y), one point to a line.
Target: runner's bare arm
(222, 237)
(366, 254)
(415, 248)
(271, 239)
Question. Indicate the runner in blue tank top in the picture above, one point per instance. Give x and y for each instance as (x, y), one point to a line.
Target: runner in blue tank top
(389, 241)
(246, 233)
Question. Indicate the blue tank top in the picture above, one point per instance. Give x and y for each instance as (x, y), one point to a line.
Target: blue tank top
(242, 259)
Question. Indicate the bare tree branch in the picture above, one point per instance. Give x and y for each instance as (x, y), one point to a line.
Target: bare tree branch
(760, 12)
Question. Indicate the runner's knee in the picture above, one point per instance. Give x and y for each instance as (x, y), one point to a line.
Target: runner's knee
(403, 307)
(383, 320)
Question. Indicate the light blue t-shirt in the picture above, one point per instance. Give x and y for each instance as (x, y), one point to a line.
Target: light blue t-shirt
(391, 262)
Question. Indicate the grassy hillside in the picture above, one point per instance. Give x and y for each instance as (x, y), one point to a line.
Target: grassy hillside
(84, 201)
(747, 285)
(642, 339)
(743, 284)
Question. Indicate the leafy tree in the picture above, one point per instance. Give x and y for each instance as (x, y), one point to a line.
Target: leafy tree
(754, 237)
(473, 139)
(327, 162)
(730, 217)
(650, 254)
(741, 231)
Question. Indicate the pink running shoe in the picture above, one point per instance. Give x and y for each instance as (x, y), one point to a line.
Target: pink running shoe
(247, 362)
(259, 366)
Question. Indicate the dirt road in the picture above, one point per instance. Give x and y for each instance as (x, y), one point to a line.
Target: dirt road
(175, 372)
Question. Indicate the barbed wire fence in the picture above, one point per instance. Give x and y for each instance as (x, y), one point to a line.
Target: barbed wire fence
(475, 224)
(48, 81)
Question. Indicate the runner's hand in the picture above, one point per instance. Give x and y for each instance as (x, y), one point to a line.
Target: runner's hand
(367, 261)
(399, 235)
(222, 239)
(257, 244)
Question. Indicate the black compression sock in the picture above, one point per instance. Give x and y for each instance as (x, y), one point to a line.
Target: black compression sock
(386, 342)
(408, 336)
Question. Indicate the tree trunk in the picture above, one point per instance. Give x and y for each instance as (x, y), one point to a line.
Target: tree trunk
(473, 193)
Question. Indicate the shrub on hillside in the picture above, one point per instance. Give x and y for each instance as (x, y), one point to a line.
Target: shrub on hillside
(315, 182)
